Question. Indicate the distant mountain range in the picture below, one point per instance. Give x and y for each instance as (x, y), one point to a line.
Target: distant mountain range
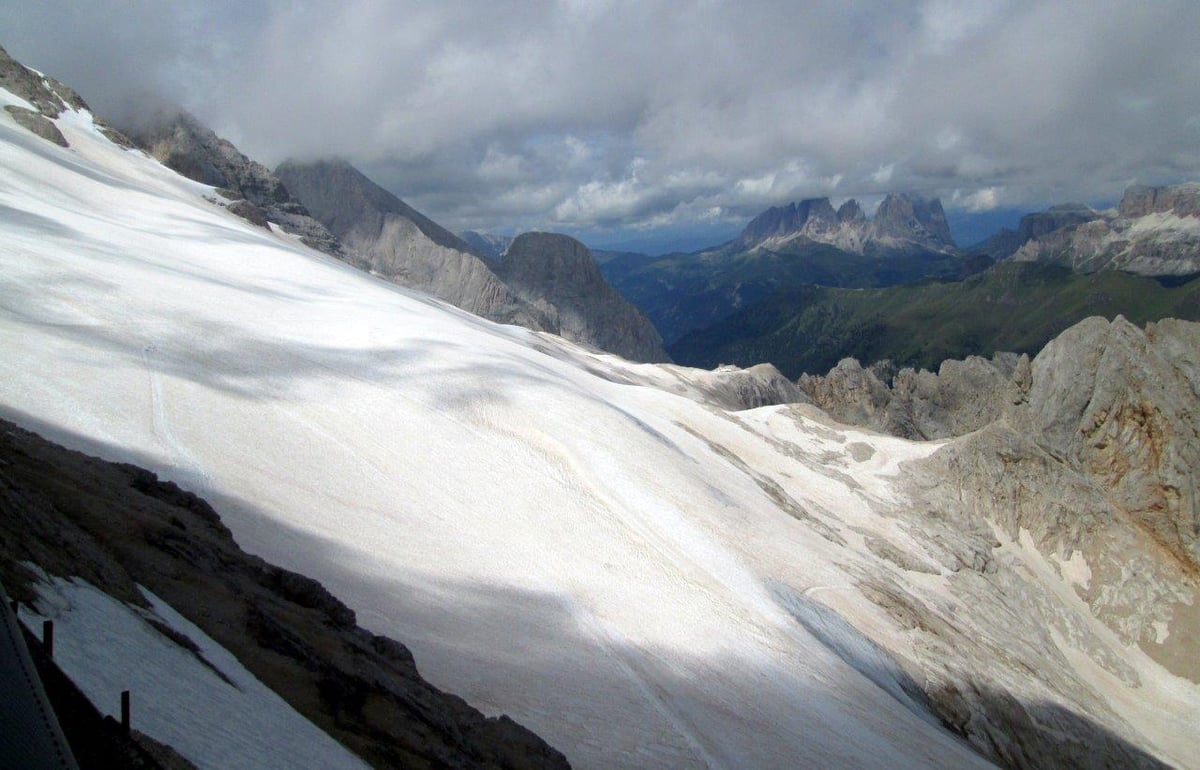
(333, 207)
(785, 247)
(903, 223)
(1154, 231)
(547, 283)
(805, 285)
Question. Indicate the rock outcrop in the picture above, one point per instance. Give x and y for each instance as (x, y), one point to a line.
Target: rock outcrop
(559, 273)
(961, 397)
(903, 223)
(550, 283)
(1120, 404)
(1071, 475)
(118, 527)
(1005, 243)
(385, 236)
(49, 99)
(492, 246)
(1105, 422)
(1154, 231)
(180, 142)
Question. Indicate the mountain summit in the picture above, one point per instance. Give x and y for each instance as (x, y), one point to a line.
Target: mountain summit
(182, 143)
(1153, 231)
(559, 270)
(554, 285)
(903, 223)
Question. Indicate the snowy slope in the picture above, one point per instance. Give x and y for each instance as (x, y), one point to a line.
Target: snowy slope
(214, 722)
(595, 559)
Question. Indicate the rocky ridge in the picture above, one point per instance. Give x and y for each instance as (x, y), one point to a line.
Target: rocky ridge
(118, 527)
(385, 236)
(180, 142)
(49, 99)
(902, 223)
(961, 397)
(1078, 466)
(1153, 231)
(551, 283)
(558, 273)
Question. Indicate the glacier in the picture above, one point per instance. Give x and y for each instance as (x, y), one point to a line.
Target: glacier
(588, 545)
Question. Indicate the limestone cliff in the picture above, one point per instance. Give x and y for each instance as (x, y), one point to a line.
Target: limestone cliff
(1066, 500)
(903, 223)
(1154, 231)
(559, 273)
(180, 142)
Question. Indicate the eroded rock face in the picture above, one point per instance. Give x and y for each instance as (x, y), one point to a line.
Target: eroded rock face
(1095, 470)
(1155, 231)
(559, 271)
(384, 235)
(49, 97)
(1121, 403)
(118, 527)
(961, 397)
(180, 142)
(902, 223)
(1072, 475)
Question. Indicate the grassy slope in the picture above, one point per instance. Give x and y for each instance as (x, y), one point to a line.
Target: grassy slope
(1012, 306)
(681, 293)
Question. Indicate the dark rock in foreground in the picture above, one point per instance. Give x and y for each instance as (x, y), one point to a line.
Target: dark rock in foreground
(118, 526)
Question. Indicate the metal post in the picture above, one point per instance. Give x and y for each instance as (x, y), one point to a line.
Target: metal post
(125, 711)
(48, 638)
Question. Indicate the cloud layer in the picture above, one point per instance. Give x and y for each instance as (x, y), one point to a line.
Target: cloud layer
(608, 114)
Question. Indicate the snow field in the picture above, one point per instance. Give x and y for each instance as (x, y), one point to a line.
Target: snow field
(107, 647)
(580, 554)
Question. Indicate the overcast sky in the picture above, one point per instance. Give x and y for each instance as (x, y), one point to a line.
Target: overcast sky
(602, 116)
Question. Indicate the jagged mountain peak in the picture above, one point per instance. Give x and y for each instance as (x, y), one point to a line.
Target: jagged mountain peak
(913, 218)
(902, 223)
(850, 211)
(342, 195)
(556, 268)
(1152, 231)
(181, 142)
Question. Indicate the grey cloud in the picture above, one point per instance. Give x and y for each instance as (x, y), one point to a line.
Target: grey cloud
(640, 114)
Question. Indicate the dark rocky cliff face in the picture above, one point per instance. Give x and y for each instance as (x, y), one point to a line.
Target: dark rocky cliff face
(902, 223)
(560, 271)
(118, 527)
(908, 217)
(545, 282)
